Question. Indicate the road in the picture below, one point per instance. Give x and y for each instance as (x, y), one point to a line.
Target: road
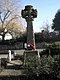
(17, 52)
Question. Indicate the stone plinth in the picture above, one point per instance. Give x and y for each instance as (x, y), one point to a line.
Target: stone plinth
(31, 54)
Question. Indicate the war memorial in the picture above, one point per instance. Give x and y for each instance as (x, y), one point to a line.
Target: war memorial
(32, 65)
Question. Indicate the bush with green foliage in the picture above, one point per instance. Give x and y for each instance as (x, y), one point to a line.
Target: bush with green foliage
(45, 66)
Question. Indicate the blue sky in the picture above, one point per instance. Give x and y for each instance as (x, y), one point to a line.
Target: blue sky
(46, 11)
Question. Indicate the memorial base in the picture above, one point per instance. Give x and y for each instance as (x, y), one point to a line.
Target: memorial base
(29, 55)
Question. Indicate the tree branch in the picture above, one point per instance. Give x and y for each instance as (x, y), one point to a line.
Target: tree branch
(6, 15)
(15, 17)
(1, 18)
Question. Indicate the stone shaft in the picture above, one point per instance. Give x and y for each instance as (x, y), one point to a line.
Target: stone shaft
(30, 33)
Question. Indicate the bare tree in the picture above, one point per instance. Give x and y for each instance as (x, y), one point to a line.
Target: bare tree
(9, 20)
(46, 27)
(46, 30)
(15, 28)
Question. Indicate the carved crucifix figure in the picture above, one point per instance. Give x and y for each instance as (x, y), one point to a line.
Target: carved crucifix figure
(29, 14)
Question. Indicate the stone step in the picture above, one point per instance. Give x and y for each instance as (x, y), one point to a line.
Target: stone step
(11, 72)
(14, 64)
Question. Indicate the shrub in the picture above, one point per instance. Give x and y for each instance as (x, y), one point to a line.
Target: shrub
(45, 66)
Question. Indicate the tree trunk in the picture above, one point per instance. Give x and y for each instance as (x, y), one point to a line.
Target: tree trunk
(3, 36)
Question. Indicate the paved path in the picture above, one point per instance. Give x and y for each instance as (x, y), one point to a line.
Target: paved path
(20, 52)
(10, 72)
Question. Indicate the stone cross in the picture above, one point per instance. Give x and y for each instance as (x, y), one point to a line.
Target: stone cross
(29, 14)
